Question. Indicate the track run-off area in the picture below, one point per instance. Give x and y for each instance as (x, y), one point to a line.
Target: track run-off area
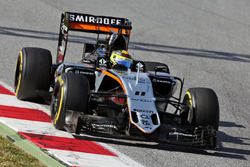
(206, 42)
(32, 122)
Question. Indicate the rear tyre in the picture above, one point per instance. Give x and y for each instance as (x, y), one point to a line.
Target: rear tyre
(33, 73)
(70, 98)
(151, 66)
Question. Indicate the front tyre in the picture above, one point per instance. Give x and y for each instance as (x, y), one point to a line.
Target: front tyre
(70, 98)
(203, 106)
(202, 110)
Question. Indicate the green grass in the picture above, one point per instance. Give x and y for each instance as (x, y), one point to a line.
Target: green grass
(12, 156)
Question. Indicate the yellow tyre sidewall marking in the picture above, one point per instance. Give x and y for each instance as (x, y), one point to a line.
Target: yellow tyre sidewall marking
(61, 100)
(20, 58)
(189, 99)
(190, 105)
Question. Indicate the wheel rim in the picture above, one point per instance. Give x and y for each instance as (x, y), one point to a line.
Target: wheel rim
(54, 102)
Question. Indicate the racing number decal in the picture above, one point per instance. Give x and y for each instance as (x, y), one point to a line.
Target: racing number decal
(19, 78)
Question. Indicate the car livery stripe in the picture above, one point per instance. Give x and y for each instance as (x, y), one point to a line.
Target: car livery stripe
(32, 122)
(95, 28)
(115, 78)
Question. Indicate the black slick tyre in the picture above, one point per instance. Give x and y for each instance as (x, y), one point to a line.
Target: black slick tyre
(203, 111)
(70, 97)
(203, 107)
(33, 73)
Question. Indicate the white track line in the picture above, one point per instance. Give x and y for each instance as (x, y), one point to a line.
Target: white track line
(42, 128)
(76, 159)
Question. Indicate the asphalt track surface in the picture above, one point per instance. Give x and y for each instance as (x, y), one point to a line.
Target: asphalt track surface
(207, 42)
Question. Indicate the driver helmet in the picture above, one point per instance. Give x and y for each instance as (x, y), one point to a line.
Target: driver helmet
(120, 58)
(117, 42)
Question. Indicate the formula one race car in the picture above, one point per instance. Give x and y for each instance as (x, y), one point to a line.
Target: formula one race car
(109, 92)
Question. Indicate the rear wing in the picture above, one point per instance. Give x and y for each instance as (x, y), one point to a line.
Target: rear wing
(97, 24)
(90, 24)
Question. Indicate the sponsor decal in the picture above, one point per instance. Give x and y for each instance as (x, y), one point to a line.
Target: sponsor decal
(129, 78)
(143, 116)
(161, 81)
(145, 122)
(143, 111)
(83, 18)
(148, 127)
(84, 72)
(133, 78)
(141, 100)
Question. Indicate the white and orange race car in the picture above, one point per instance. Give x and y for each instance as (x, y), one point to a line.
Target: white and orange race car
(127, 97)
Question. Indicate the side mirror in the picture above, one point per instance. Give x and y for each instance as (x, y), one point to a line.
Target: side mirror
(162, 69)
